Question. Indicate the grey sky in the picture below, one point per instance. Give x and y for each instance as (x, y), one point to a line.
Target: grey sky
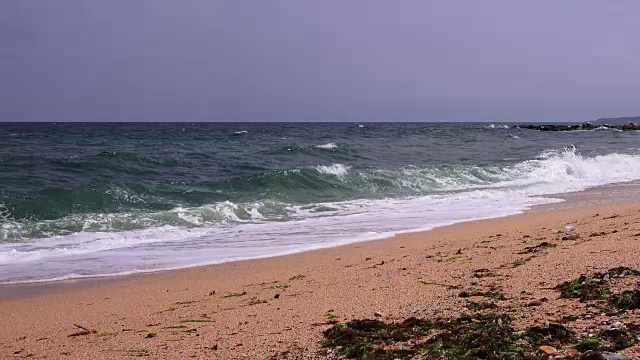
(241, 60)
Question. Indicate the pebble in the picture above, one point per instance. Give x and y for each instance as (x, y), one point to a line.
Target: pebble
(617, 325)
(547, 349)
(378, 314)
(535, 303)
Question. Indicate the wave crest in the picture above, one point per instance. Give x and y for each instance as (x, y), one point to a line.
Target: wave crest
(327, 146)
(334, 169)
(273, 196)
(494, 126)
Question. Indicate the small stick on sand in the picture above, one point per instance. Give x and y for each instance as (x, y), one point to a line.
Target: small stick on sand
(84, 331)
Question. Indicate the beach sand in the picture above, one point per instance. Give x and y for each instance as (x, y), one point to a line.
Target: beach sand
(229, 311)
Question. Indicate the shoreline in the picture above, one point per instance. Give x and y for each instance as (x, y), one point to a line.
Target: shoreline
(233, 308)
(599, 195)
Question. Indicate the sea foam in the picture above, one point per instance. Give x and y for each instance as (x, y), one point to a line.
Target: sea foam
(327, 146)
(334, 169)
(226, 231)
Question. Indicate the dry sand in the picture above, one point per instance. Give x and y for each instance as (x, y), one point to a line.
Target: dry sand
(229, 311)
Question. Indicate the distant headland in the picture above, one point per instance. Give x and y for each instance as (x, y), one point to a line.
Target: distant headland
(627, 123)
(619, 120)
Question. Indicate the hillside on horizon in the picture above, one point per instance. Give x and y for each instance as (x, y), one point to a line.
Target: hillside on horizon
(619, 120)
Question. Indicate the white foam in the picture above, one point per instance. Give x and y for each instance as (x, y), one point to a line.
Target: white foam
(567, 170)
(327, 146)
(89, 254)
(494, 126)
(91, 242)
(334, 169)
(227, 231)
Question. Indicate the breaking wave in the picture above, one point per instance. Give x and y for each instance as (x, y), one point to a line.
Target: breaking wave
(327, 146)
(284, 211)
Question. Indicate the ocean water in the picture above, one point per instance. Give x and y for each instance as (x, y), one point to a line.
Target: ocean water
(82, 200)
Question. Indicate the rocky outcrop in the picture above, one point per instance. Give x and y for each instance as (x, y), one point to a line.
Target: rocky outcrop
(619, 120)
(583, 126)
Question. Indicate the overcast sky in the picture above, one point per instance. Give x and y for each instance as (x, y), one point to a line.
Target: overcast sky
(241, 60)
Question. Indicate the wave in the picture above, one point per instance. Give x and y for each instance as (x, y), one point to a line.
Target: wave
(172, 247)
(494, 126)
(220, 213)
(334, 169)
(269, 196)
(327, 146)
(300, 209)
(328, 151)
(607, 128)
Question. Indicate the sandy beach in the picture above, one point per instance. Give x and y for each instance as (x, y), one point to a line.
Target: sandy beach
(424, 180)
(262, 308)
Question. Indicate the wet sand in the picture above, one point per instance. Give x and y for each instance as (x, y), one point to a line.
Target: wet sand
(231, 311)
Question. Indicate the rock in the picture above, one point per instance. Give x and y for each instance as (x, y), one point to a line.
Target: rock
(552, 331)
(583, 126)
(617, 325)
(569, 228)
(378, 314)
(547, 349)
(597, 355)
(535, 303)
(276, 296)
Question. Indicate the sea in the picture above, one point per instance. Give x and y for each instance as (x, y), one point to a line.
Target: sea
(105, 199)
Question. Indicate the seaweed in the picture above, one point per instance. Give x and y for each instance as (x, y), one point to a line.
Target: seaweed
(585, 288)
(593, 287)
(493, 293)
(196, 321)
(481, 305)
(279, 286)
(616, 339)
(553, 333)
(518, 262)
(488, 336)
(255, 301)
(229, 295)
(626, 300)
(537, 248)
(587, 344)
(138, 352)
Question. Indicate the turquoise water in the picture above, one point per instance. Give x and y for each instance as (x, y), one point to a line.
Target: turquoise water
(103, 199)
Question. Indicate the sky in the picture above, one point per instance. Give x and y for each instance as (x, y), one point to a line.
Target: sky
(329, 60)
